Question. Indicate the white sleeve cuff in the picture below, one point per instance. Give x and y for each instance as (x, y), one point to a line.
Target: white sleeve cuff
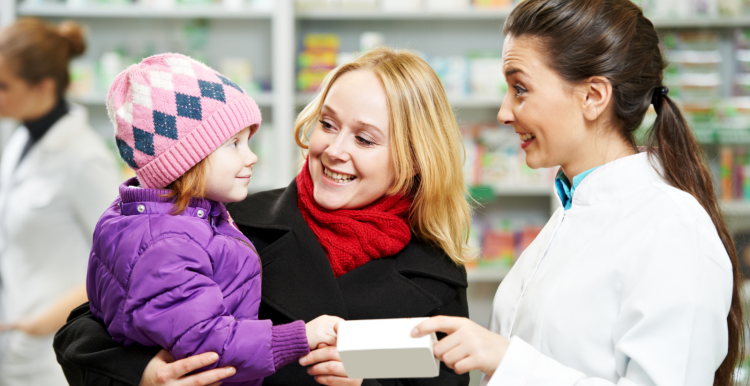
(525, 365)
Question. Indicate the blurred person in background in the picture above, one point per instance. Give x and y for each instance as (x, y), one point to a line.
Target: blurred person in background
(56, 177)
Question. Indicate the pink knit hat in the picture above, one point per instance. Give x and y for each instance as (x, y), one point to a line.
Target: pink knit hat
(170, 112)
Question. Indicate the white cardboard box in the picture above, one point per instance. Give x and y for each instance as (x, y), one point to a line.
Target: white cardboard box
(384, 348)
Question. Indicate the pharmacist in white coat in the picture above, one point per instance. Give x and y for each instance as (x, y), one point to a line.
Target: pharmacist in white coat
(56, 178)
(634, 279)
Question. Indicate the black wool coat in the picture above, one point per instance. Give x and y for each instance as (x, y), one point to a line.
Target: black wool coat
(298, 283)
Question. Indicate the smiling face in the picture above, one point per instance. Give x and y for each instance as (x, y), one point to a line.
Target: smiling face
(230, 167)
(349, 151)
(542, 107)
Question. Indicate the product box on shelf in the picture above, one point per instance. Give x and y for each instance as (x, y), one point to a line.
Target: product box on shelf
(485, 4)
(486, 77)
(501, 239)
(734, 174)
(453, 72)
(670, 9)
(494, 158)
(694, 71)
(316, 59)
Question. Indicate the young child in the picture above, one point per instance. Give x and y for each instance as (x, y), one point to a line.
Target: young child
(168, 267)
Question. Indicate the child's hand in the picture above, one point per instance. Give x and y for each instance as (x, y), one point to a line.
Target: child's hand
(322, 330)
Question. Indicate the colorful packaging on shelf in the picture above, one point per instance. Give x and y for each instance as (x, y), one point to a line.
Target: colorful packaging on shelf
(494, 158)
(317, 58)
(502, 240)
(493, 3)
(733, 173)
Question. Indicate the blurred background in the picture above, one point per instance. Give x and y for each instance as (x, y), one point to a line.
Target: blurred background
(280, 51)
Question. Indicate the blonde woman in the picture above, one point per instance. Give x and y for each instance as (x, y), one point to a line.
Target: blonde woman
(373, 226)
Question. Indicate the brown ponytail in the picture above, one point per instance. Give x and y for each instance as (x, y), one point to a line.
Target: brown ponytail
(683, 162)
(613, 38)
(36, 50)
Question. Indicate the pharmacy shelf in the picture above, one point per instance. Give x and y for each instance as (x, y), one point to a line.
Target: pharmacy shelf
(138, 11)
(263, 100)
(459, 14)
(478, 275)
(477, 102)
(702, 22)
(735, 208)
(537, 191)
(500, 14)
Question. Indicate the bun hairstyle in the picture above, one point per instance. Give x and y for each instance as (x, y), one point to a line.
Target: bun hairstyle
(612, 38)
(73, 34)
(36, 50)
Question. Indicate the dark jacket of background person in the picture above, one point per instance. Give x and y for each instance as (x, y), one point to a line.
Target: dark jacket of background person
(298, 283)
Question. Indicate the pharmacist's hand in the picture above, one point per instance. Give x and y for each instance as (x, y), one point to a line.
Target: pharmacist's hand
(326, 367)
(322, 330)
(31, 326)
(163, 370)
(468, 345)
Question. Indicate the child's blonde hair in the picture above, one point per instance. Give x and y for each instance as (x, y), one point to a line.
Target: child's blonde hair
(425, 145)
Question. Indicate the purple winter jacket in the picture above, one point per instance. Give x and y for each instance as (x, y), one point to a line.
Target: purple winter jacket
(189, 283)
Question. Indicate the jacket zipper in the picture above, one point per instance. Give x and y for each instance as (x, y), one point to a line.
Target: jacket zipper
(260, 263)
(245, 243)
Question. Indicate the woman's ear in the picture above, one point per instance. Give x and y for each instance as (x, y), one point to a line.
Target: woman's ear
(598, 94)
(47, 86)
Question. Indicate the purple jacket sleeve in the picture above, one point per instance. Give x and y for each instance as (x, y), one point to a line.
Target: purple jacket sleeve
(173, 303)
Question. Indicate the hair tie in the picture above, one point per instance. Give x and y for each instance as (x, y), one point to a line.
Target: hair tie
(656, 97)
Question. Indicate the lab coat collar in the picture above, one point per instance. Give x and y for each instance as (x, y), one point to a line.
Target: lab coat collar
(67, 129)
(618, 179)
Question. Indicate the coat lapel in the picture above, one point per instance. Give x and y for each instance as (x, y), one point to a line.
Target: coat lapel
(298, 280)
(400, 286)
(297, 277)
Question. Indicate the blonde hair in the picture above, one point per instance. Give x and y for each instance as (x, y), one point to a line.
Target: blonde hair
(425, 145)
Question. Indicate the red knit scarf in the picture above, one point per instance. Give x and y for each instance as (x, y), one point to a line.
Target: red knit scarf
(352, 237)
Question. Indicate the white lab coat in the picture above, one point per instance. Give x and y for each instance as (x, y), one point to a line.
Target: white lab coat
(630, 286)
(49, 206)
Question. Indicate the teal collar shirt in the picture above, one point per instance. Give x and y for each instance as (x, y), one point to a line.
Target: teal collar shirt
(565, 189)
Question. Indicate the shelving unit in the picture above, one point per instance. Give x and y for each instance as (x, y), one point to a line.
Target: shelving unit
(434, 32)
(467, 14)
(280, 53)
(138, 11)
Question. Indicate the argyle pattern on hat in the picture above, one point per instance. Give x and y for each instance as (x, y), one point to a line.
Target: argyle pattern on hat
(170, 112)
